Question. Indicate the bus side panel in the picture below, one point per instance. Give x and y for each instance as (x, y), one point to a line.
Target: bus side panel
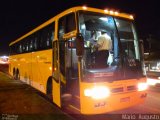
(34, 68)
(24, 67)
(21, 64)
(41, 69)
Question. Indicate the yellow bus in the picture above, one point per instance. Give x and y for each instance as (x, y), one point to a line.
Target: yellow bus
(59, 59)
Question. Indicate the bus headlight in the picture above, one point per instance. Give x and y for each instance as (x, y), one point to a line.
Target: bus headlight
(97, 92)
(142, 86)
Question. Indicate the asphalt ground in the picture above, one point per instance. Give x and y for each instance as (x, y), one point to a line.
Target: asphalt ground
(20, 101)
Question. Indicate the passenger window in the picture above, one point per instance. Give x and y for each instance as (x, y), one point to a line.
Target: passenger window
(47, 37)
(66, 24)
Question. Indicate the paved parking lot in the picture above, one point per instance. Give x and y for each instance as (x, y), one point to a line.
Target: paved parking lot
(20, 101)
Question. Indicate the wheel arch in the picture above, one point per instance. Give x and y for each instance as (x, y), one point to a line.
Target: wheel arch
(49, 85)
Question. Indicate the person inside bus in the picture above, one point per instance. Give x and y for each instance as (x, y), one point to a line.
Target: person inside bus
(93, 38)
(90, 48)
(104, 45)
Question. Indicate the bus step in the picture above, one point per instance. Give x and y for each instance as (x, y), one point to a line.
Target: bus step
(75, 102)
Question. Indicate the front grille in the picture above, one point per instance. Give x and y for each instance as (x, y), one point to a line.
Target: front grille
(130, 88)
(124, 89)
(116, 90)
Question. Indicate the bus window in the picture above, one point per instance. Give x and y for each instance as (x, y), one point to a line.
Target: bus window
(46, 36)
(70, 23)
(27, 46)
(66, 24)
(128, 38)
(35, 42)
(24, 47)
(31, 45)
(50, 34)
(130, 48)
(19, 46)
(98, 29)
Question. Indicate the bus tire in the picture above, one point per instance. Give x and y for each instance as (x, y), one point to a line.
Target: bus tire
(49, 88)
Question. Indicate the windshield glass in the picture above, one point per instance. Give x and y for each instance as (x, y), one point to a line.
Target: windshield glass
(104, 36)
(128, 38)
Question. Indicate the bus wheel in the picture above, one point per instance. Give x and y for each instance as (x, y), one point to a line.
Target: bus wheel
(49, 88)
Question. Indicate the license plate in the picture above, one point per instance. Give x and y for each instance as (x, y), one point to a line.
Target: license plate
(126, 99)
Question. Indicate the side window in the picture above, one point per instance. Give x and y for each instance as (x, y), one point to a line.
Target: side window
(70, 23)
(23, 46)
(66, 24)
(61, 26)
(50, 35)
(39, 40)
(47, 35)
(31, 44)
(27, 46)
(20, 48)
(35, 43)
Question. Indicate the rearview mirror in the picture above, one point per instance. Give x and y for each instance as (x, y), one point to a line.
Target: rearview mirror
(79, 45)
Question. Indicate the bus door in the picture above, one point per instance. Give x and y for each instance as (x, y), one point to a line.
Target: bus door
(67, 59)
(68, 71)
(56, 90)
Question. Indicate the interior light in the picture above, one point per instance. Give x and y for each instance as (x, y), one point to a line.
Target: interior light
(103, 18)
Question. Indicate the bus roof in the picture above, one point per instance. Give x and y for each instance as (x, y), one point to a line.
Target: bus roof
(73, 9)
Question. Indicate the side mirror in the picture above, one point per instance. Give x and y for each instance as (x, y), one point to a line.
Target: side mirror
(79, 45)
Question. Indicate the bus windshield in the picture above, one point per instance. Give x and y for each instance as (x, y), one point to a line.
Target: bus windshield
(105, 37)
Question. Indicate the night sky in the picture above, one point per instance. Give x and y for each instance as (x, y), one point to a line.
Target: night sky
(18, 16)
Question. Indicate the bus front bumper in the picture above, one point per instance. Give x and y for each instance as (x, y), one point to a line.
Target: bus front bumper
(112, 103)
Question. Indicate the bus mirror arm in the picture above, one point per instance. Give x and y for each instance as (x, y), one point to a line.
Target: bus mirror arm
(79, 45)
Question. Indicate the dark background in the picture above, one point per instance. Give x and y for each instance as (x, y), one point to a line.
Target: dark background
(18, 17)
